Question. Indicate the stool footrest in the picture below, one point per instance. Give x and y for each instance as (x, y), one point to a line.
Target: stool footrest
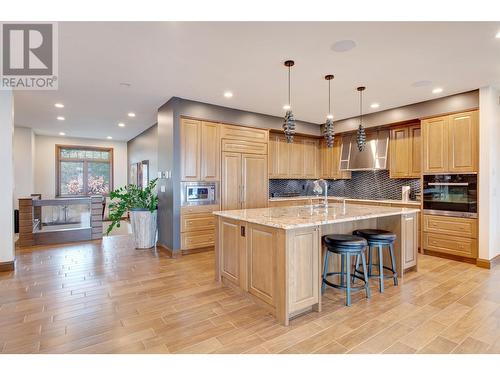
(342, 286)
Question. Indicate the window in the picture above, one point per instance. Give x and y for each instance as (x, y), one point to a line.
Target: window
(83, 170)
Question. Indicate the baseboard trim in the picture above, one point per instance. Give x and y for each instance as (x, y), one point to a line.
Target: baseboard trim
(198, 250)
(171, 253)
(7, 266)
(458, 258)
(488, 263)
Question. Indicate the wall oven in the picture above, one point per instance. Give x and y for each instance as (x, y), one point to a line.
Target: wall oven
(450, 195)
(199, 193)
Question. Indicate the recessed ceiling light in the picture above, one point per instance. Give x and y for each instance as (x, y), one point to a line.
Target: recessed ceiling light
(228, 94)
(131, 114)
(61, 118)
(109, 137)
(498, 35)
(121, 124)
(59, 105)
(437, 90)
(343, 45)
(62, 133)
(286, 107)
(374, 105)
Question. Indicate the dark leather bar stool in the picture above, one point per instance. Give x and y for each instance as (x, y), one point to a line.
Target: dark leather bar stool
(346, 246)
(378, 238)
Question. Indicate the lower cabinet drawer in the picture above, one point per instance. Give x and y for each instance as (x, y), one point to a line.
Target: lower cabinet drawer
(465, 247)
(196, 222)
(456, 226)
(194, 240)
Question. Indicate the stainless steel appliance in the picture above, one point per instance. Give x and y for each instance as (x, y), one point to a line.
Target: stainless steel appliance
(373, 157)
(199, 193)
(450, 195)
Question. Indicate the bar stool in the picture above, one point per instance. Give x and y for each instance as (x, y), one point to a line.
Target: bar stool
(346, 246)
(378, 238)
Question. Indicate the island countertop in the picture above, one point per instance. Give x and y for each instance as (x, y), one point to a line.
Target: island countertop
(308, 216)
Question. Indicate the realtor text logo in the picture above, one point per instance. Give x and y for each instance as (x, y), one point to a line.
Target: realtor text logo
(28, 56)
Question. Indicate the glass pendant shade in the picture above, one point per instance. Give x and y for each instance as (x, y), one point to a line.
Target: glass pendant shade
(289, 126)
(328, 133)
(289, 120)
(361, 134)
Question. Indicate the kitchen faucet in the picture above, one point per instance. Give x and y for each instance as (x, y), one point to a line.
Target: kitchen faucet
(320, 190)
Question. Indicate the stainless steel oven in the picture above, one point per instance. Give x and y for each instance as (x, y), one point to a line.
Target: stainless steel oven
(199, 193)
(450, 195)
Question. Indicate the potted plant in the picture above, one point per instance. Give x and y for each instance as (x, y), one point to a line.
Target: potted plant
(142, 203)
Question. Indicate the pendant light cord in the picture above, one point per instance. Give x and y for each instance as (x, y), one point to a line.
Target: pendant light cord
(361, 107)
(289, 84)
(329, 97)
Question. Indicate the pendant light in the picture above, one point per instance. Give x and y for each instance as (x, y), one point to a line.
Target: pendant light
(361, 134)
(328, 132)
(289, 121)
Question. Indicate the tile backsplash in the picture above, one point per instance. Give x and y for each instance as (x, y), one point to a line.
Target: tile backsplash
(362, 185)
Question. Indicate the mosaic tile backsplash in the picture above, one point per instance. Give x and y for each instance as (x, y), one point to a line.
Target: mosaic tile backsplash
(362, 185)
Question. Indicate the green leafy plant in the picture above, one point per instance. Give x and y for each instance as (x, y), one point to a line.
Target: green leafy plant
(131, 197)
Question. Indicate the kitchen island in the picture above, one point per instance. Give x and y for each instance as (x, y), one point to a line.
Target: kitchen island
(275, 254)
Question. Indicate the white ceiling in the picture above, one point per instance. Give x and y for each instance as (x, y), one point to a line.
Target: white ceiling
(199, 61)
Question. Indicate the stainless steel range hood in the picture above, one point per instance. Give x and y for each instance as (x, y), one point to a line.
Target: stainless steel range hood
(373, 157)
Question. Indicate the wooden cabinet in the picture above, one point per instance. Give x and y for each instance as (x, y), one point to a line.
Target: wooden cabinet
(279, 157)
(231, 181)
(254, 182)
(244, 181)
(450, 235)
(330, 160)
(405, 154)
(197, 227)
(450, 143)
(190, 149)
(200, 150)
(463, 142)
(229, 257)
(297, 160)
(210, 151)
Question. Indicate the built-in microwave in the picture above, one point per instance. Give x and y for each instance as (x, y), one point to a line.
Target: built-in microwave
(450, 195)
(199, 193)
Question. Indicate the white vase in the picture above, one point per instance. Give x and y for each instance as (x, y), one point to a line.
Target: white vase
(143, 228)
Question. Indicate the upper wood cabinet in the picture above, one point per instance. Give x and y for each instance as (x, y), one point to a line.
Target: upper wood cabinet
(405, 153)
(210, 151)
(297, 160)
(463, 142)
(450, 143)
(435, 144)
(200, 150)
(330, 160)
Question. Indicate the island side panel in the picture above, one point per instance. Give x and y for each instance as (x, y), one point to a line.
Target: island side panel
(266, 259)
(228, 250)
(303, 265)
(406, 245)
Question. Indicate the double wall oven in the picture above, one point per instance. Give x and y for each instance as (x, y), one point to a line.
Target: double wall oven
(450, 195)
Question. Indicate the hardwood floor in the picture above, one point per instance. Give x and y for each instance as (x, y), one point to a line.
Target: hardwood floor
(110, 298)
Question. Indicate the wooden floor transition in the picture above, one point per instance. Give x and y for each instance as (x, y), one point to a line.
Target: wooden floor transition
(110, 298)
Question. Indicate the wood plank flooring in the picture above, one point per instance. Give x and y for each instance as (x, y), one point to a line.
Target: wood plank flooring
(109, 298)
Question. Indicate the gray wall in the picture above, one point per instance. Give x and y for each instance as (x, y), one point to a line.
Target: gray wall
(430, 108)
(144, 147)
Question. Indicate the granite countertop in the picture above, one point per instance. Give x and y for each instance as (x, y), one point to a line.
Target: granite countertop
(301, 197)
(308, 216)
